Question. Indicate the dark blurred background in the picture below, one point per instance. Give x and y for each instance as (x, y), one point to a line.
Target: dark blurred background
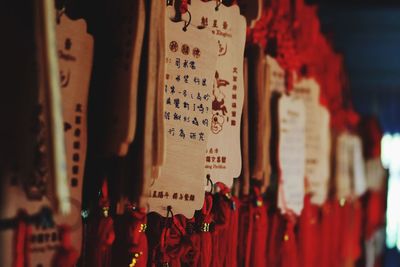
(368, 34)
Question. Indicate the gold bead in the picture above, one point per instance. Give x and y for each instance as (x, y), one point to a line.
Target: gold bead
(286, 237)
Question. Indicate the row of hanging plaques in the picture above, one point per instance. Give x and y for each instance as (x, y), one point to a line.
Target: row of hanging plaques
(187, 107)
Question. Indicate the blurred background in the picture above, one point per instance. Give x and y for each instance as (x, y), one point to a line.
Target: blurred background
(368, 34)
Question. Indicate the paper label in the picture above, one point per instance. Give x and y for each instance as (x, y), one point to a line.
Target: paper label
(190, 68)
(223, 159)
(291, 149)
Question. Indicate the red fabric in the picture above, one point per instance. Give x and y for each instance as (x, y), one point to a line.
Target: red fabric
(336, 219)
(204, 243)
(259, 234)
(244, 234)
(137, 240)
(375, 212)
(176, 244)
(66, 255)
(289, 255)
(224, 237)
(21, 241)
(309, 234)
(327, 226)
(275, 238)
(357, 231)
(184, 6)
(371, 132)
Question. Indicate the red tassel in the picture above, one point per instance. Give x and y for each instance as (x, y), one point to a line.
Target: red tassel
(258, 213)
(183, 7)
(244, 234)
(357, 231)
(289, 249)
(338, 218)
(224, 237)
(205, 222)
(21, 241)
(137, 240)
(233, 233)
(375, 210)
(347, 228)
(327, 221)
(66, 255)
(176, 244)
(105, 232)
(276, 232)
(309, 234)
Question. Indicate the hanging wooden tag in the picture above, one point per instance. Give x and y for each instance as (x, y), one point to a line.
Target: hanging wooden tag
(358, 167)
(308, 90)
(258, 111)
(33, 194)
(375, 174)
(275, 76)
(158, 132)
(120, 123)
(319, 182)
(252, 10)
(291, 150)
(190, 63)
(153, 138)
(223, 161)
(342, 166)
(267, 130)
(245, 176)
(50, 99)
(75, 55)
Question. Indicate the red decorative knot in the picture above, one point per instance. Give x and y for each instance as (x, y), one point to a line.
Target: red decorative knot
(184, 6)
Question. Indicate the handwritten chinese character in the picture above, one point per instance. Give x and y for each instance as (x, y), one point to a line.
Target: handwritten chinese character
(167, 115)
(171, 131)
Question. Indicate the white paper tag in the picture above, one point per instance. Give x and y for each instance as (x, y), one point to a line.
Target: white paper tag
(223, 160)
(317, 140)
(190, 68)
(291, 150)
